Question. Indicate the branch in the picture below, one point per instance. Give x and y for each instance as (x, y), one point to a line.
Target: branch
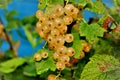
(7, 38)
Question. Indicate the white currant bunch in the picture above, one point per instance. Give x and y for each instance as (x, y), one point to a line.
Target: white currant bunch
(53, 28)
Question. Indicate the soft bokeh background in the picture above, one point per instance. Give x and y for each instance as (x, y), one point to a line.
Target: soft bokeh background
(28, 8)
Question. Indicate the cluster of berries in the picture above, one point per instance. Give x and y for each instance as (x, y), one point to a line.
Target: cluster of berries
(53, 28)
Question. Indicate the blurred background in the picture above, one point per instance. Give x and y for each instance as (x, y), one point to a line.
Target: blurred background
(26, 8)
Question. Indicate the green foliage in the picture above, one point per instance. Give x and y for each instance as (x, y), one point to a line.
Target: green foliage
(91, 32)
(45, 65)
(57, 2)
(17, 75)
(83, 2)
(77, 45)
(30, 69)
(100, 67)
(42, 4)
(98, 7)
(30, 37)
(101, 63)
(11, 65)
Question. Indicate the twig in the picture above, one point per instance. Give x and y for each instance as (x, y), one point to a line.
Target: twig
(7, 38)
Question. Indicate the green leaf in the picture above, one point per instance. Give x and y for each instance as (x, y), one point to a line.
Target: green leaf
(77, 45)
(91, 32)
(17, 75)
(11, 65)
(31, 39)
(49, 9)
(58, 2)
(30, 69)
(42, 4)
(45, 65)
(101, 20)
(98, 7)
(83, 2)
(101, 67)
(11, 25)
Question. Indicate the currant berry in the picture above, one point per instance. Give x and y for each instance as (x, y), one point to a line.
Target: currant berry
(61, 50)
(59, 41)
(82, 55)
(69, 38)
(70, 51)
(69, 64)
(87, 48)
(51, 77)
(56, 56)
(60, 65)
(50, 38)
(59, 10)
(39, 14)
(59, 23)
(42, 34)
(55, 32)
(74, 13)
(65, 58)
(46, 29)
(67, 20)
(44, 54)
(39, 25)
(63, 30)
(68, 9)
(52, 17)
(84, 44)
(37, 57)
(43, 19)
(50, 24)
(52, 46)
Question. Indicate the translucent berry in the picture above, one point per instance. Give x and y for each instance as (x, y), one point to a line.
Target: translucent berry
(52, 46)
(59, 10)
(55, 32)
(61, 50)
(60, 41)
(44, 54)
(51, 77)
(68, 20)
(87, 48)
(50, 24)
(68, 9)
(82, 55)
(46, 29)
(59, 23)
(39, 14)
(60, 65)
(63, 29)
(69, 64)
(70, 51)
(43, 19)
(69, 38)
(65, 58)
(37, 57)
(74, 13)
(52, 17)
(50, 38)
(56, 56)
(84, 44)
(42, 34)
